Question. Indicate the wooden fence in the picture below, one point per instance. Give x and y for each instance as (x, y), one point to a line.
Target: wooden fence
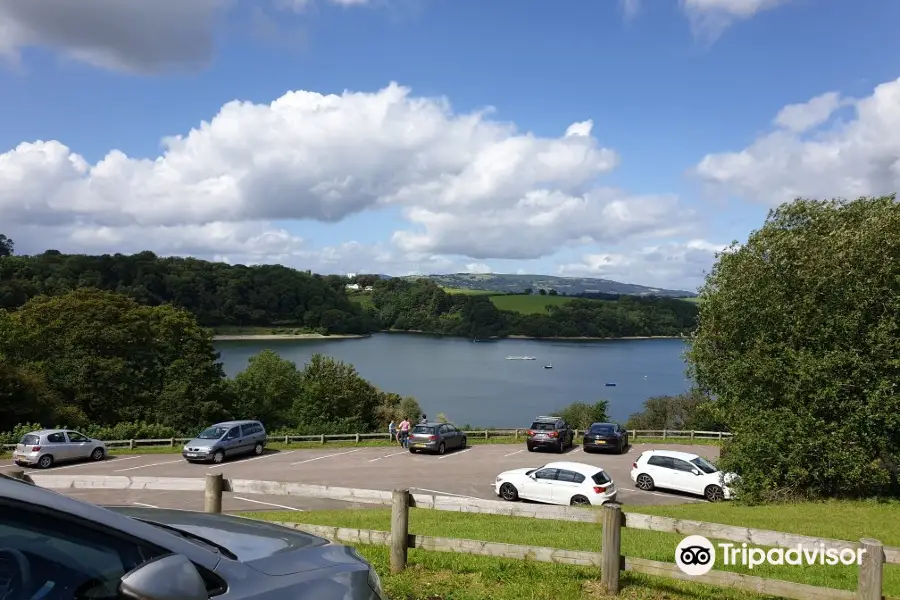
(485, 434)
(609, 559)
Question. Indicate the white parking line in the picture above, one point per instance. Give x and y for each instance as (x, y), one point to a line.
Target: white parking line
(144, 505)
(169, 462)
(93, 462)
(513, 453)
(574, 450)
(222, 464)
(455, 454)
(326, 456)
(388, 456)
(268, 504)
(446, 493)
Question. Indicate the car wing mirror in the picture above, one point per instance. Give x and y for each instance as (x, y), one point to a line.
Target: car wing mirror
(171, 577)
(695, 471)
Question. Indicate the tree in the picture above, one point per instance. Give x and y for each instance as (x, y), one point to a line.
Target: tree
(393, 407)
(542, 292)
(581, 415)
(333, 397)
(691, 410)
(6, 246)
(266, 390)
(553, 293)
(798, 339)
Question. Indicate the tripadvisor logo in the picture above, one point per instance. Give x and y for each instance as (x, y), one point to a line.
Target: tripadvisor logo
(695, 555)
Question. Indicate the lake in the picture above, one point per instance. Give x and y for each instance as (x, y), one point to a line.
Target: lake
(473, 383)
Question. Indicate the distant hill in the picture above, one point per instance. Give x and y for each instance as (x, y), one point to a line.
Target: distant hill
(570, 286)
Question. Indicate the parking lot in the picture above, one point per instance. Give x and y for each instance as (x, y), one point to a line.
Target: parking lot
(466, 473)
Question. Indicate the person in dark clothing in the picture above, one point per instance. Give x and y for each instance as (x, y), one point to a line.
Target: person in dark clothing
(424, 420)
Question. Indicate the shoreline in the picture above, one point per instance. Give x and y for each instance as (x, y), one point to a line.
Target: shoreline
(249, 337)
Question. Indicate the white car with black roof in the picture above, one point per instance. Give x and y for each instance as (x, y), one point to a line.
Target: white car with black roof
(564, 483)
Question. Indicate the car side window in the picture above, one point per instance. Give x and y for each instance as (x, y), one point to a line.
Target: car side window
(546, 474)
(56, 438)
(450, 428)
(568, 476)
(661, 461)
(233, 433)
(74, 436)
(442, 430)
(680, 465)
(85, 561)
(246, 430)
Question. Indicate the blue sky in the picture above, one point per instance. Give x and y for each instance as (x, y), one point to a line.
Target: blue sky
(688, 145)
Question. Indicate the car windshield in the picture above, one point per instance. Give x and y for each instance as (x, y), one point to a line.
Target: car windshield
(212, 433)
(602, 429)
(543, 426)
(704, 465)
(30, 440)
(423, 429)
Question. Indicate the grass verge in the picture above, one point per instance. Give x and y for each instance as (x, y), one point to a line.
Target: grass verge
(840, 520)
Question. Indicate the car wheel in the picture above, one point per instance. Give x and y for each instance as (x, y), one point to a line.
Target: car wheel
(413, 451)
(442, 448)
(258, 449)
(45, 462)
(645, 482)
(580, 501)
(585, 449)
(509, 492)
(462, 446)
(530, 447)
(218, 457)
(714, 493)
(97, 454)
(622, 448)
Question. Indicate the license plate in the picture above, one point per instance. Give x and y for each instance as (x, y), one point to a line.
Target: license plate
(601, 441)
(191, 455)
(420, 445)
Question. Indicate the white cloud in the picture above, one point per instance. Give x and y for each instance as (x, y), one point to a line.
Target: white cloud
(679, 265)
(479, 268)
(468, 185)
(143, 37)
(801, 158)
(709, 18)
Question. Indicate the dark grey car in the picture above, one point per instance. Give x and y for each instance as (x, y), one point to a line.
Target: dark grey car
(436, 437)
(58, 548)
(226, 440)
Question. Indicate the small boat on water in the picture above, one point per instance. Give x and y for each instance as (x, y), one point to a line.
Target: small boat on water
(548, 366)
(520, 358)
(610, 385)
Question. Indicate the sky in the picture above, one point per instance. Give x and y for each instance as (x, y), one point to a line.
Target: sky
(624, 139)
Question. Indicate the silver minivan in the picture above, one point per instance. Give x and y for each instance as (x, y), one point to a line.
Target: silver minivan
(226, 440)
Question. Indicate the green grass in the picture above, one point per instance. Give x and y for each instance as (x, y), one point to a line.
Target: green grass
(528, 304)
(693, 300)
(459, 574)
(364, 299)
(468, 292)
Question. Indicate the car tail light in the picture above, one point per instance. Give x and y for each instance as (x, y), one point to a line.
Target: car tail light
(634, 465)
(600, 489)
(553, 434)
(529, 432)
(35, 448)
(432, 438)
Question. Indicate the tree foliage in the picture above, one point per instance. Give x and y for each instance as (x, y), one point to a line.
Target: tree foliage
(692, 410)
(216, 293)
(6, 246)
(580, 415)
(422, 305)
(799, 341)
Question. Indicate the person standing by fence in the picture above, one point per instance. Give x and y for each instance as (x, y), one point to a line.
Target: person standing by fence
(392, 431)
(404, 432)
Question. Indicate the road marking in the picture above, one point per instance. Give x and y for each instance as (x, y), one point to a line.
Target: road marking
(170, 462)
(455, 454)
(86, 464)
(326, 456)
(660, 495)
(268, 504)
(388, 456)
(513, 453)
(574, 450)
(222, 464)
(144, 505)
(447, 494)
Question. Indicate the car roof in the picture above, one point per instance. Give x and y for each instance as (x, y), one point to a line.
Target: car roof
(233, 423)
(432, 424)
(46, 431)
(671, 453)
(546, 419)
(582, 468)
(603, 423)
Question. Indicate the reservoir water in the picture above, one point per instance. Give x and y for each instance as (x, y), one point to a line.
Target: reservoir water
(474, 383)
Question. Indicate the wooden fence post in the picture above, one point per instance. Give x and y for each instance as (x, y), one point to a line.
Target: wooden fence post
(664, 434)
(287, 440)
(322, 438)
(720, 436)
(692, 435)
(399, 530)
(16, 474)
(869, 585)
(485, 434)
(516, 438)
(212, 496)
(611, 550)
(172, 442)
(357, 438)
(131, 444)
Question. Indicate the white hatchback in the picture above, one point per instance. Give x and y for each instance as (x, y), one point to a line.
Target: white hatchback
(682, 472)
(567, 483)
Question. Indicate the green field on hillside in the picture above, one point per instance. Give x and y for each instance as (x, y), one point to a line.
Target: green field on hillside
(468, 292)
(481, 578)
(364, 299)
(528, 304)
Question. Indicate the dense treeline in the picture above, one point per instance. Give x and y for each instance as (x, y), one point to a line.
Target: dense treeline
(216, 293)
(422, 305)
(94, 359)
(692, 410)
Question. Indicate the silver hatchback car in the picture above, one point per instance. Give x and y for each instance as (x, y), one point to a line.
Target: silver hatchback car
(47, 447)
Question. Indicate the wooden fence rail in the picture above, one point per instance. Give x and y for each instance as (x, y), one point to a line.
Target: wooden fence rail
(611, 517)
(515, 433)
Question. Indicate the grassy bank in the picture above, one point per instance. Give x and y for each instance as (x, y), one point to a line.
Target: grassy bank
(476, 578)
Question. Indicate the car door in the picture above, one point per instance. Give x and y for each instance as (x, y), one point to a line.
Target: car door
(248, 437)
(684, 479)
(660, 469)
(454, 436)
(58, 447)
(624, 433)
(79, 445)
(567, 484)
(539, 487)
(232, 441)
